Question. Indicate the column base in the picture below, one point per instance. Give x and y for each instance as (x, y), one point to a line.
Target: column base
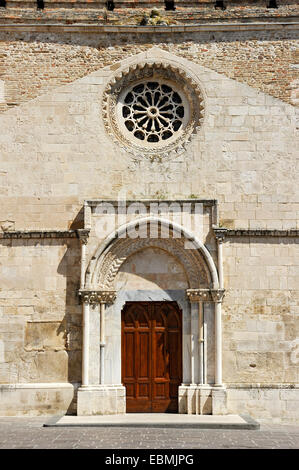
(101, 400)
(202, 400)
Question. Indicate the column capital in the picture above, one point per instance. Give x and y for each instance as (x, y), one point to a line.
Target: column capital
(220, 233)
(93, 297)
(198, 295)
(205, 295)
(217, 294)
(83, 235)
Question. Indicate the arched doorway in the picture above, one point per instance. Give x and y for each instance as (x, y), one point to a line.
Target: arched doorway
(151, 356)
(155, 269)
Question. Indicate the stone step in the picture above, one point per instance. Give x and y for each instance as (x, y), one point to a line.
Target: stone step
(157, 420)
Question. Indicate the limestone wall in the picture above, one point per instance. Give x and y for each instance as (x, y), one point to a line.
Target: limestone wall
(33, 63)
(243, 156)
(267, 404)
(40, 319)
(55, 154)
(260, 311)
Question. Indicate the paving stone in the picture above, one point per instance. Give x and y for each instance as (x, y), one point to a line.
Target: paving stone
(27, 433)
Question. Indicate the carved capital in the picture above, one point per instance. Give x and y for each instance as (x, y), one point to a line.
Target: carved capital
(83, 235)
(220, 234)
(97, 296)
(205, 295)
(217, 294)
(198, 295)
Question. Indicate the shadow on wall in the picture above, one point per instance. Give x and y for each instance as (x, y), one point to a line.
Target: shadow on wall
(42, 312)
(71, 324)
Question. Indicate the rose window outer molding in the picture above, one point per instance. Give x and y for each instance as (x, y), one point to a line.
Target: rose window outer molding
(153, 109)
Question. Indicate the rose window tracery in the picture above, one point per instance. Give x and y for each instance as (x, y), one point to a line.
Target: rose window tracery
(153, 111)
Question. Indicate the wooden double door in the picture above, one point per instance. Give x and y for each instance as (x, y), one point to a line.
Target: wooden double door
(151, 356)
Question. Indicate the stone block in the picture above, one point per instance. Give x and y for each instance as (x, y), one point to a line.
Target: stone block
(52, 366)
(42, 336)
(35, 399)
(101, 400)
(219, 401)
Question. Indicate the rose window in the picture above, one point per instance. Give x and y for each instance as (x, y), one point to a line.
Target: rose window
(152, 109)
(153, 112)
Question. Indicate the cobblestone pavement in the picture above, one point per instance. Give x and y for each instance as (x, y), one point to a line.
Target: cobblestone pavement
(29, 433)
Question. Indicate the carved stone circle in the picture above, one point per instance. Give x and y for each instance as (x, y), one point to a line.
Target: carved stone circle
(134, 118)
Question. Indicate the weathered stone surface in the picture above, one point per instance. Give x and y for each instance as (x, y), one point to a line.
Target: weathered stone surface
(42, 336)
(52, 365)
(100, 401)
(55, 154)
(36, 399)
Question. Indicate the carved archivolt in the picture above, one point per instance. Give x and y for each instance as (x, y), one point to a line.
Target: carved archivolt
(160, 137)
(109, 263)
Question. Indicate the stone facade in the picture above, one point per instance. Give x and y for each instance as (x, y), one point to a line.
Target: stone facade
(59, 163)
(263, 59)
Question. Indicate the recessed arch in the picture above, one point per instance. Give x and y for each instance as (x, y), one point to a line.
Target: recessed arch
(182, 244)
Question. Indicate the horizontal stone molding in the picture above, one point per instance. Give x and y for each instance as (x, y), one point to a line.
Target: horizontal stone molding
(37, 385)
(205, 295)
(147, 202)
(223, 233)
(39, 234)
(276, 386)
(93, 297)
(200, 27)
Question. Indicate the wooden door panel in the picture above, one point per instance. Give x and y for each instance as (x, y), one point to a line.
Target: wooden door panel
(174, 361)
(130, 349)
(151, 356)
(144, 362)
(159, 355)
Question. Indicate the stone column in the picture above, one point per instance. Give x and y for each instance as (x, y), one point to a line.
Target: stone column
(218, 344)
(201, 344)
(217, 296)
(83, 236)
(94, 396)
(220, 261)
(192, 344)
(198, 296)
(196, 395)
(85, 345)
(102, 342)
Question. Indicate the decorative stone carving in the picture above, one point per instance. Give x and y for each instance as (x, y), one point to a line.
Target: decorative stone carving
(83, 235)
(153, 112)
(222, 233)
(39, 234)
(97, 296)
(196, 295)
(207, 295)
(163, 74)
(192, 260)
(217, 294)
